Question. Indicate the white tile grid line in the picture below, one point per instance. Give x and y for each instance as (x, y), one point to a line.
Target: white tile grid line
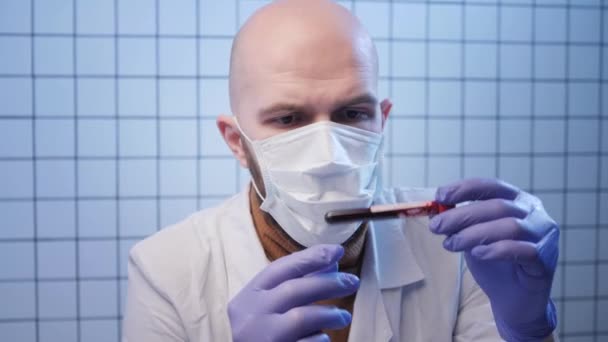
(80, 122)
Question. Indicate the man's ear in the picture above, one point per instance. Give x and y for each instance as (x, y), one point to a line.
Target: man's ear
(232, 137)
(385, 108)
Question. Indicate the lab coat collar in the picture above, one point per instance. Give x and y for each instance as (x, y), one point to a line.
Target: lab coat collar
(243, 250)
(396, 265)
(370, 317)
(388, 263)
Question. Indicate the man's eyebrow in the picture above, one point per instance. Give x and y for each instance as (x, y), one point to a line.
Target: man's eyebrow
(281, 107)
(359, 99)
(292, 107)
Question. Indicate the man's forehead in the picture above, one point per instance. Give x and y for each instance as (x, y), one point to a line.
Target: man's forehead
(302, 91)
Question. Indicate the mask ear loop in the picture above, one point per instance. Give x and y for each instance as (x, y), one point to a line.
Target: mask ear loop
(257, 191)
(380, 171)
(255, 187)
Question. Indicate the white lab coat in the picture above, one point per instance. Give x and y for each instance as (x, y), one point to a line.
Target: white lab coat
(182, 278)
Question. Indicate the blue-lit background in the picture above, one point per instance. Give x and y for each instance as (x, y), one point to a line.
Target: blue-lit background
(107, 134)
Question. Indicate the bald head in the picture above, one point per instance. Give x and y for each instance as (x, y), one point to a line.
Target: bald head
(298, 41)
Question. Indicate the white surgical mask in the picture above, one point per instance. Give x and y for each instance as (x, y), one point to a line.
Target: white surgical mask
(314, 169)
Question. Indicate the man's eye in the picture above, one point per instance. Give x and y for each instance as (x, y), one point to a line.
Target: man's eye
(285, 120)
(354, 115)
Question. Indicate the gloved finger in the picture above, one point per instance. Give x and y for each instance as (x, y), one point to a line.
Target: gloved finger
(303, 291)
(485, 233)
(307, 320)
(540, 221)
(297, 264)
(329, 269)
(475, 189)
(521, 252)
(456, 219)
(548, 249)
(526, 254)
(316, 338)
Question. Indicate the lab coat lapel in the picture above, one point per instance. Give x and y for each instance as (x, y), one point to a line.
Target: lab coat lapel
(243, 250)
(396, 264)
(388, 265)
(370, 320)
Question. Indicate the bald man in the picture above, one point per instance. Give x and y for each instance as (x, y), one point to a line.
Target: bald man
(265, 266)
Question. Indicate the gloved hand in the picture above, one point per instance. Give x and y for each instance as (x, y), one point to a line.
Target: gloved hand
(276, 304)
(511, 248)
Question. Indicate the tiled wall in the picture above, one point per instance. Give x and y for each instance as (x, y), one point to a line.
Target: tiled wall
(107, 134)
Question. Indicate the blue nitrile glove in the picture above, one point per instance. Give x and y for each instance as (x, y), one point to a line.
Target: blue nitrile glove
(511, 249)
(276, 305)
